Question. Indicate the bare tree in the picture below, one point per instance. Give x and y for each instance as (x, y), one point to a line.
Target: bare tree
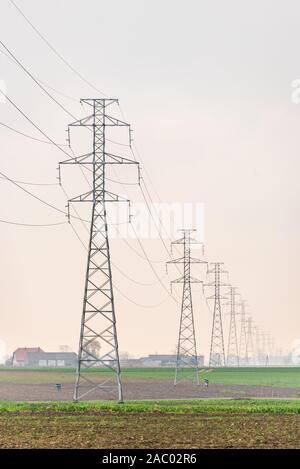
(93, 348)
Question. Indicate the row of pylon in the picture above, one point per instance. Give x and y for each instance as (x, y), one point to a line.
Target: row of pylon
(246, 344)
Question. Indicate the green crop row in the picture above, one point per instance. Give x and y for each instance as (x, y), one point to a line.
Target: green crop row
(172, 406)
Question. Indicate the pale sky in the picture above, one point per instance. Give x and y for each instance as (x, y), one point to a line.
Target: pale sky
(206, 86)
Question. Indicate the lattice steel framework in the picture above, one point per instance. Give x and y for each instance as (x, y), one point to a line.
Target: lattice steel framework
(186, 347)
(243, 348)
(258, 345)
(250, 342)
(217, 349)
(232, 346)
(98, 343)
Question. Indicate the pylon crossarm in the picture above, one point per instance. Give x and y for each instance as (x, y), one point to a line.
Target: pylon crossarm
(115, 159)
(195, 280)
(178, 241)
(178, 280)
(111, 197)
(86, 197)
(113, 122)
(78, 160)
(197, 261)
(176, 261)
(84, 122)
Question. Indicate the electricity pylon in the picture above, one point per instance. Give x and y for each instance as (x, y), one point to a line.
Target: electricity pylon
(186, 349)
(98, 343)
(243, 349)
(232, 346)
(270, 343)
(258, 345)
(264, 356)
(250, 344)
(217, 349)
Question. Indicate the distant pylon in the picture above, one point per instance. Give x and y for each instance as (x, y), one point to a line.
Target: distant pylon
(243, 350)
(250, 345)
(264, 358)
(270, 349)
(232, 346)
(98, 343)
(257, 345)
(217, 349)
(186, 347)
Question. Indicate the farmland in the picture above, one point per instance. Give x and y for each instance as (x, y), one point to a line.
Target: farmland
(171, 424)
(241, 408)
(155, 383)
(279, 376)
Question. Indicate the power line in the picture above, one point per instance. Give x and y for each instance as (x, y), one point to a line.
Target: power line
(39, 83)
(123, 183)
(145, 254)
(26, 183)
(152, 268)
(148, 193)
(118, 289)
(148, 259)
(55, 50)
(59, 104)
(143, 284)
(30, 136)
(31, 194)
(39, 198)
(115, 266)
(54, 142)
(32, 123)
(36, 81)
(71, 98)
(8, 222)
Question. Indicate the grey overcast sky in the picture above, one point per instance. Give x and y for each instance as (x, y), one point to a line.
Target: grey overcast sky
(206, 86)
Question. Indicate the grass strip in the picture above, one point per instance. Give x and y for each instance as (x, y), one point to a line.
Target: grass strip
(200, 406)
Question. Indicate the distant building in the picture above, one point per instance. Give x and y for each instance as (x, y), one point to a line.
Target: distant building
(51, 359)
(33, 357)
(131, 363)
(19, 357)
(165, 360)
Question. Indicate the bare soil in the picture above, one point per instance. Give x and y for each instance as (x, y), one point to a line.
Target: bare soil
(144, 389)
(104, 430)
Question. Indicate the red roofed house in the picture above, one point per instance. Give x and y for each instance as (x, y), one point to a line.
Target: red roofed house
(20, 355)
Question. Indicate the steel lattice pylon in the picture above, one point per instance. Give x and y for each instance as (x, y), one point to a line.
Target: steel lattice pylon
(186, 347)
(98, 343)
(217, 350)
(232, 346)
(250, 344)
(243, 348)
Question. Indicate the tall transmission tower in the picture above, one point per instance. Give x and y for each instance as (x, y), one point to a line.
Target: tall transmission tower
(256, 344)
(243, 350)
(260, 346)
(250, 344)
(270, 343)
(232, 346)
(186, 347)
(98, 343)
(217, 348)
(263, 351)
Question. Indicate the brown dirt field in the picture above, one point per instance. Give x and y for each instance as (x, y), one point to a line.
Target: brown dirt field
(141, 389)
(104, 430)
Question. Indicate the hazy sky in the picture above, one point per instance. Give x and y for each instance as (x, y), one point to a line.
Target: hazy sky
(206, 86)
